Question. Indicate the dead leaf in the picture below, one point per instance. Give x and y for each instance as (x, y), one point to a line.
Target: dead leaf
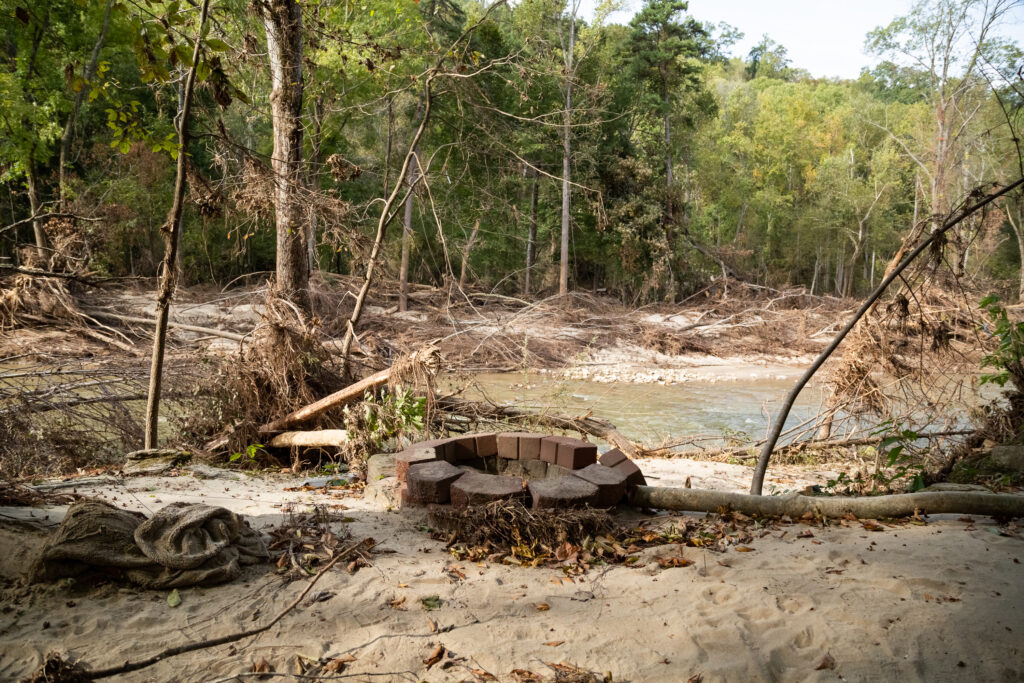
(261, 666)
(403, 585)
(744, 549)
(483, 675)
(433, 625)
(395, 604)
(806, 533)
(337, 665)
(554, 643)
(435, 656)
(695, 678)
(826, 662)
(524, 676)
(542, 607)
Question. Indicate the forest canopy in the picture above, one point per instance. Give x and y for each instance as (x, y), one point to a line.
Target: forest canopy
(647, 157)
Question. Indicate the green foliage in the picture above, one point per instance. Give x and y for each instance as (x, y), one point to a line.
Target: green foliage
(251, 451)
(397, 413)
(897, 464)
(786, 179)
(895, 451)
(1008, 358)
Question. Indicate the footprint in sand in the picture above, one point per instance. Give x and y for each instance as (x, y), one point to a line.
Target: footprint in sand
(794, 604)
(720, 595)
(805, 638)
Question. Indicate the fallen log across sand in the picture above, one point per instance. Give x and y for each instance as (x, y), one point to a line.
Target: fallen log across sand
(317, 438)
(428, 358)
(796, 505)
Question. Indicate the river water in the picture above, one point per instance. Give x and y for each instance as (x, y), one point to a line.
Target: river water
(653, 413)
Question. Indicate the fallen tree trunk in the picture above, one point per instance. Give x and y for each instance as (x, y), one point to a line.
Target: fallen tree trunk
(317, 438)
(743, 452)
(585, 424)
(428, 357)
(213, 332)
(796, 505)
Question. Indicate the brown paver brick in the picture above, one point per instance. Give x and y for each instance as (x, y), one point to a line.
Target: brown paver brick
(508, 445)
(549, 448)
(610, 483)
(411, 457)
(476, 488)
(563, 492)
(430, 482)
(575, 454)
(529, 446)
(612, 457)
(634, 477)
(460, 449)
(486, 444)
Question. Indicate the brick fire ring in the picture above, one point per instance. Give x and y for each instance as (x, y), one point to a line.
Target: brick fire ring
(474, 469)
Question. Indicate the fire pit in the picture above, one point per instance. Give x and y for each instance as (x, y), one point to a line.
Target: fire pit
(541, 471)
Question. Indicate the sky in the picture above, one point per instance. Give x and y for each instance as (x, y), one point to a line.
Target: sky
(825, 37)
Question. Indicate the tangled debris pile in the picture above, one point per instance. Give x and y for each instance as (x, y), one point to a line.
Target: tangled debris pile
(508, 532)
(304, 543)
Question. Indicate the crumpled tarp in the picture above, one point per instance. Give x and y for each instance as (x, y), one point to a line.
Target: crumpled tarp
(182, 545)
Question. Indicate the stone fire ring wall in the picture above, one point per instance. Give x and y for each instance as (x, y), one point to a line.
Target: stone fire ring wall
(542, 471)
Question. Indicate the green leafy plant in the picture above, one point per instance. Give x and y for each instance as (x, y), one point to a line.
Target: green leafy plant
(392, 415)
(895, 451)
(250, 451)
(1009, 354)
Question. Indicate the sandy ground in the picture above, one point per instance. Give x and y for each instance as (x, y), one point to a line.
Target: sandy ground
(940, 602)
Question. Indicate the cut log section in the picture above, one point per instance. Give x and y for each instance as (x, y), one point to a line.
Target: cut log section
(320, 438)
(796, 505)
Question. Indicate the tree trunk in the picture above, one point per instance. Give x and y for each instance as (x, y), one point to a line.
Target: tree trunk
(315, 145)
(668, 174)
(465, 254)
(531, 240)
(403, 273)
(76, 106)
(282, 21)
(34, 207)
(171, 229)
(563, 273)
(1018, 232)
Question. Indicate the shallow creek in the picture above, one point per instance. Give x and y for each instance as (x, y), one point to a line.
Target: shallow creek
(652, 413)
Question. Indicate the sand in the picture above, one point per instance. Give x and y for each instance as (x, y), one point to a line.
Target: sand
(938, 602)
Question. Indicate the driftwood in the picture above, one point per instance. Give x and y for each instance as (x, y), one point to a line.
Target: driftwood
(743, 452)
(213, 332)
(428, 357)
(585, 424)
(796, 505)
(314, 439)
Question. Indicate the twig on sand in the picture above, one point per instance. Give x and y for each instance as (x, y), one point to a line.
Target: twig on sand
(129, 667)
